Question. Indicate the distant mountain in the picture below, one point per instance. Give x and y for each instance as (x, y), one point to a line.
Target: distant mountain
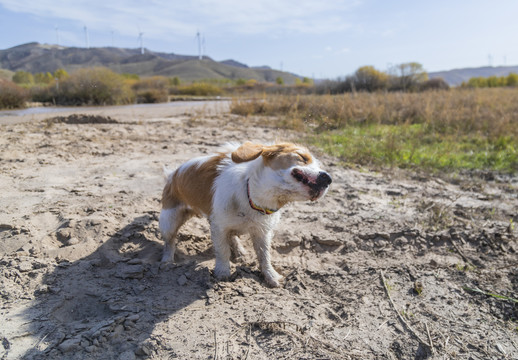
(457, 76)
(35, 58)
(234, 63)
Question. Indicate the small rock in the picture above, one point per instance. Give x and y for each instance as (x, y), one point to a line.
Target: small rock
(328, 242)
(69, 345)
(385, 236)
(132, 272)
(119, 329)
(395, 192)
(25, 266)
(293, 242)
(350, 245)
(127, 355)
(133, 317)
(182, 280)
(72, 241)
(63, 235)
(91, 348)
(381, 243)
(135, 261)
(400, 241)
(144, 350)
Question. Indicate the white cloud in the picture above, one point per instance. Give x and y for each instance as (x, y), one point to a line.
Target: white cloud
(159, 17)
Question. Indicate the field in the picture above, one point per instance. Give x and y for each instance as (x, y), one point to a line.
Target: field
(396, 262)
(460, 129)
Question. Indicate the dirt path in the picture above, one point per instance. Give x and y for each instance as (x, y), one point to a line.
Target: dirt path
(385, 267)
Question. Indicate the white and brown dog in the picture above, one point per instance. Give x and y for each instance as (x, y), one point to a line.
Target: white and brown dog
(240, 190)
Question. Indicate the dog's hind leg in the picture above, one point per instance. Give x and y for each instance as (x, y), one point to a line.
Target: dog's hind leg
(170, 221)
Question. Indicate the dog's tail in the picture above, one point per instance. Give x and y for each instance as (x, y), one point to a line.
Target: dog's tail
(168, 173)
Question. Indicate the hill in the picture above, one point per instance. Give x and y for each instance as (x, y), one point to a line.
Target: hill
(455, 77)
(35, 58)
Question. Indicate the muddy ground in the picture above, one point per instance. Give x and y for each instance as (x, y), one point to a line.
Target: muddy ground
(389, 265)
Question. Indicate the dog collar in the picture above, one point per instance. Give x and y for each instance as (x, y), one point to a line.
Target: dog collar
(264, 211)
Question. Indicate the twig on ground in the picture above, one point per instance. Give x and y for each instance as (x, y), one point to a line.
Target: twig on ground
(348, 333)
(507, 266)
(412, 331)
(429, 337)
(215, 346)
(383, 323)
(464, 257)
(249, 341)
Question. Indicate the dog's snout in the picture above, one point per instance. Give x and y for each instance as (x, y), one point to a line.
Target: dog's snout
(324, 179)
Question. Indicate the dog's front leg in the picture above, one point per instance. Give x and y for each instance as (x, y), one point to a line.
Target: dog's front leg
(221, 241)
(262, 244)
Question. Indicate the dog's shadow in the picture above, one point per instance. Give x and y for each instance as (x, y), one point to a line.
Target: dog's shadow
(110, 301)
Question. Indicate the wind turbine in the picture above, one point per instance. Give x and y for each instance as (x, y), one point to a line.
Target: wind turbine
(86, 38)
(204, 49)
(141, 40)
(198, 36)
(57, 34)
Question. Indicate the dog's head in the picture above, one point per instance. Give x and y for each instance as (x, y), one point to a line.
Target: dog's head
(289, 171)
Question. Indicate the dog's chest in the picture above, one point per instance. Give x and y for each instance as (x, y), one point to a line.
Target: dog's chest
(242, 218)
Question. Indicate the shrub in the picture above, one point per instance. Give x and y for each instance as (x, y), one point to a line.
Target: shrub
(152, 90)
(60, 74)
(434, 84)
(23, 77)
(43, 78)
(12, 96)
(512, 79)
(175, 81)
(200, 89)
(94, 86)
(44, 94)
(369, 79)
(407, 76)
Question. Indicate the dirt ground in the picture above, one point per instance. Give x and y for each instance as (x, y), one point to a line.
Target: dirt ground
(389, 265)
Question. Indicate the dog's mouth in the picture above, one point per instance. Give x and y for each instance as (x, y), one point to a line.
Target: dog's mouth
(316, 184)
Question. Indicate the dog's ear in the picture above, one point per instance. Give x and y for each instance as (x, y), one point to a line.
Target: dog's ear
(247, 152)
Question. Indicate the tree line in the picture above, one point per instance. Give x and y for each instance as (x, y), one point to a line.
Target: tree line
(407, 77)
(491, 81)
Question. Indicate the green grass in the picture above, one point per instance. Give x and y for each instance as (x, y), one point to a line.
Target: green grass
(414, 146)
(448, 131)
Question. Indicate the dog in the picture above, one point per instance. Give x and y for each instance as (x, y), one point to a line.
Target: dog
(240, 189)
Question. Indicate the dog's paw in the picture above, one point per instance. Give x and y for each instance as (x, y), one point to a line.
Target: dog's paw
(167, 256)
(273, 278)
(222, 272)
(166, 265)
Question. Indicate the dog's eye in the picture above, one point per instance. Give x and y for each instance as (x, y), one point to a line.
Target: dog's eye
(303, 158)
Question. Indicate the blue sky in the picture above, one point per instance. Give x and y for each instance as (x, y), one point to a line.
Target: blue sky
(315, 38)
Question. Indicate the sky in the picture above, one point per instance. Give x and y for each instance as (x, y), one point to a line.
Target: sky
(314, 38)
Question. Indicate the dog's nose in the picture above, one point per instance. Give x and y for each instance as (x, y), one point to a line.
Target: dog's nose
(324, 179)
